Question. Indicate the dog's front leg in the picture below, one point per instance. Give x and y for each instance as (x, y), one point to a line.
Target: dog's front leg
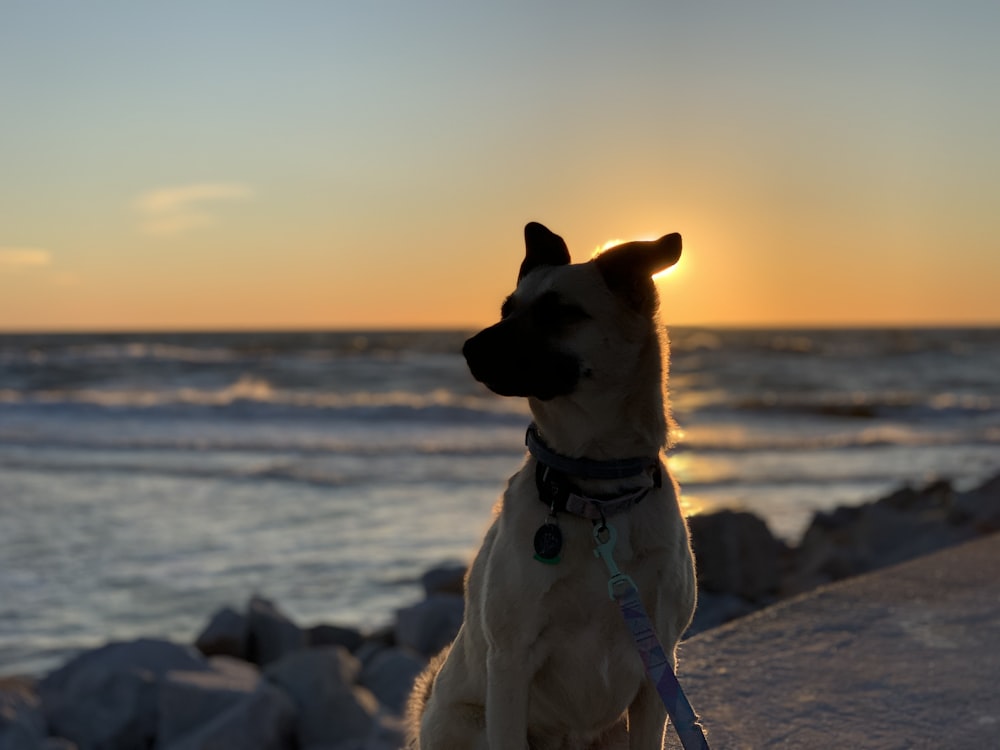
(647, 718)
(507, 690)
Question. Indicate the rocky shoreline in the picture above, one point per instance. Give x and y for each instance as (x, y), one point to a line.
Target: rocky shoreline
(256, 680)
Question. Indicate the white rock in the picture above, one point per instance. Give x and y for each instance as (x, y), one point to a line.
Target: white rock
(389, 674)
(22, 724)
(225, 635)
(431, 625)
(320, 681)
(735, 554)
(448, 578)
(227, 707)
(271, 634)
(107, 698)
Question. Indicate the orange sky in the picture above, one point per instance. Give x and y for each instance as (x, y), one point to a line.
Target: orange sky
(254, 167)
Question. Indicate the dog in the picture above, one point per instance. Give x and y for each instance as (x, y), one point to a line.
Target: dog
(543, 659)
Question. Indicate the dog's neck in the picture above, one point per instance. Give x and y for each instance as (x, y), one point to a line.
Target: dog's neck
(579, 439)
(601, 432)
(602, 427)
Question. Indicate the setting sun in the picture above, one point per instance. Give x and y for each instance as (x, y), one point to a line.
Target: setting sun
(607, 246)
(667, 271)
(615, 242)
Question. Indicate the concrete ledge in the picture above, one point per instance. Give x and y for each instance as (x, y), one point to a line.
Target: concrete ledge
(906, 657)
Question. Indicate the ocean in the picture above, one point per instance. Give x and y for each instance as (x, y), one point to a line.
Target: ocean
(148, 479)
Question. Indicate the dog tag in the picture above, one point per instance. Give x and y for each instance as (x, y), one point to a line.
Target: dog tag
(548, 543)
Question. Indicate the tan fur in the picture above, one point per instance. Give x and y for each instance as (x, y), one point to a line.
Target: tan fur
(543, 659)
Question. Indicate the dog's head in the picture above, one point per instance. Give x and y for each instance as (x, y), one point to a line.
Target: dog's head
(568, 326)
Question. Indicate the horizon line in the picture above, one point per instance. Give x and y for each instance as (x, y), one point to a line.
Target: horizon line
(456, 328)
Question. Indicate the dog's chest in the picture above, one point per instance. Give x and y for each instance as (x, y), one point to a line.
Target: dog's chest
(589, 668)
(579, 655)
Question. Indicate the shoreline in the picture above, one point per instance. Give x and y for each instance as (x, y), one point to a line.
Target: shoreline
(258, 668)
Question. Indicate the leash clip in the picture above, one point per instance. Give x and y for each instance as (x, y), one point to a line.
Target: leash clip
(606, 536)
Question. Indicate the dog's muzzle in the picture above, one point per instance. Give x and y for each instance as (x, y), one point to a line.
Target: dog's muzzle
(512, 360)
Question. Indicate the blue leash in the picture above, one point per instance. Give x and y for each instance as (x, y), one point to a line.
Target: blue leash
(622, 589)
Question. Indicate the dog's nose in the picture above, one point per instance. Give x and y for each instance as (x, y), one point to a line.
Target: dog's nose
(476, 352)
(468, 347)
(482, 345)
(481, 353)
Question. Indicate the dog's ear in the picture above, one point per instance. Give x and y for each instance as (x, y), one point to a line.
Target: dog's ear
(542, 248)
(628, 269)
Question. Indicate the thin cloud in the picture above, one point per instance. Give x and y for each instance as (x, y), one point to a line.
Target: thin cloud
(176, 222)
(173, 210)
(24, 257)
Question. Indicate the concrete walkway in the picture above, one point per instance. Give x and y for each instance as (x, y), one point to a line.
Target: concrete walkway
(907, 657)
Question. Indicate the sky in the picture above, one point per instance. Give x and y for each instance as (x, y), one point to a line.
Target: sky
(235, 164)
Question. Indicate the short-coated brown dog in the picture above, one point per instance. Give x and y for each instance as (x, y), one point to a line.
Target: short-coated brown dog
(543, 659)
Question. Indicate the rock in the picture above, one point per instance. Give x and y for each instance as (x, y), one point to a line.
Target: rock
(108, 697)
(389, 674)
(980, 507)
(736, 554)
(389, 733)
(369, 649)
(56, 743)
(379, 741)
(271, 634)
(225, 635)
(381, 637)
(909, 499)
(334, 635)
(369, 743)
(839, 518)
(886, 537)
(444, 579)
(903, 525)
(22, 723)
(191, 699)
(431, 625)
(228, 706)
(829, 550)
(320, 682)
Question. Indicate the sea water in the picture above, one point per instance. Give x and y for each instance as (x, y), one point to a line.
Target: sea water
(146, 480)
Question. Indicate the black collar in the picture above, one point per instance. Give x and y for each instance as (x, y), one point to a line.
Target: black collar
(555, 489)
(585, 468)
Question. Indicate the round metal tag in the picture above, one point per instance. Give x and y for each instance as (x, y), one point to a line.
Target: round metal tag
(548, 543)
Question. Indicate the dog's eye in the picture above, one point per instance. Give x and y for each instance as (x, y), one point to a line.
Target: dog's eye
(567, 314)
(551, 309)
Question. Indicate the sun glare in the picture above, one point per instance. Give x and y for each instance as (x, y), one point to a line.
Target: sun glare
(606, 246)
(612, 243)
